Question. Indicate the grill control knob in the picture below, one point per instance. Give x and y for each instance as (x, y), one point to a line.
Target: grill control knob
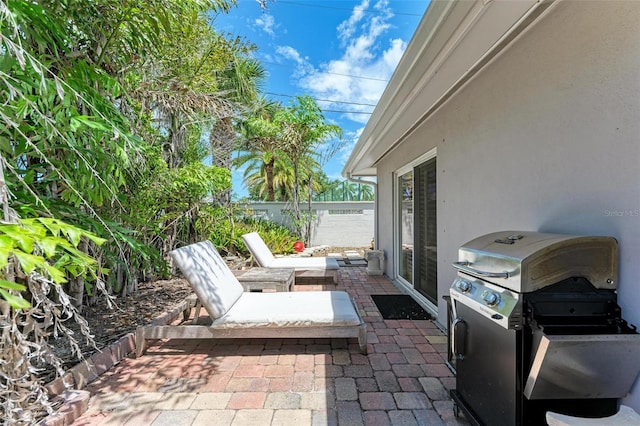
(491, 298)
(464, 286)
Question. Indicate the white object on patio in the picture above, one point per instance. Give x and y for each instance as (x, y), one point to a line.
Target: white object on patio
(237, 314)
(265, 258)
(375, 262)
(626, 416)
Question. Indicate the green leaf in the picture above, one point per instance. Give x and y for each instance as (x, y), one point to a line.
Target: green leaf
(79, 121)
(29, 262)
(51, 224)
(5, 145)
(49, 245)
(56, 274)
(6, 242)
(14, 301)
(4, 257)
(11, 285)
(97, 240)
(34, 228)
(74, 234)
(20, 235)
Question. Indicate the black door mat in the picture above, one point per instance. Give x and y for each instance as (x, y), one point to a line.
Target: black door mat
(399, 306)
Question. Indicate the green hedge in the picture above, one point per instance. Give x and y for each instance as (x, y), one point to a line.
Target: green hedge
(225, 229)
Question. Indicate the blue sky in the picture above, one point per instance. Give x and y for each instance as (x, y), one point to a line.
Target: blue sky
(342, 53)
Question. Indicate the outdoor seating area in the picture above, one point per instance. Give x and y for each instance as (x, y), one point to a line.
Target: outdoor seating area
(285, 380)
(234, 313)
(306, 267)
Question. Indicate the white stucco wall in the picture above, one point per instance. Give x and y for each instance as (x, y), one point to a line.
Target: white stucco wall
(335, 223)
(545, 138)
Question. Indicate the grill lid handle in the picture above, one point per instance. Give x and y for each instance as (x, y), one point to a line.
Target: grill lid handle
(465, 266)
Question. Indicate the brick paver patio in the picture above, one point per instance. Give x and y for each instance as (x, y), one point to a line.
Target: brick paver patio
(403, 380)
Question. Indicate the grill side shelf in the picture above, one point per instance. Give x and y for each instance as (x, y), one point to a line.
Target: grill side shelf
(584, 366)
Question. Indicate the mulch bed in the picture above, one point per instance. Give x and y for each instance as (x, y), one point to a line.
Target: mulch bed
(109, 325)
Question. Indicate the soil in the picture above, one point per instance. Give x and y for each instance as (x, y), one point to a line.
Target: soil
(109, 324)
(324, 251)
(152, 298)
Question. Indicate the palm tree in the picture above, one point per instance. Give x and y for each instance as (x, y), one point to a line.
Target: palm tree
(240, 84)
(303, 128)
(278, 186)
(366, 192)
(269, 176)
(261, 138)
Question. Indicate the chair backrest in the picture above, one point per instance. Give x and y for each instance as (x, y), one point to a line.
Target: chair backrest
(258, 249)
(212, 280)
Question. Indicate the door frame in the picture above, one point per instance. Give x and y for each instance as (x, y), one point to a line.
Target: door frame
(397, 208)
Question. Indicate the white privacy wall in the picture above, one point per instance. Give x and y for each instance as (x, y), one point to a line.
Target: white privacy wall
(545, 138)
(334, 223)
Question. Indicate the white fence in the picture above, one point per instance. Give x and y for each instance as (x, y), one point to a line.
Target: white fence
(334, 223)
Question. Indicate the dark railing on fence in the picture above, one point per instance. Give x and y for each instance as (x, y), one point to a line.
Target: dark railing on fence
(347, 191)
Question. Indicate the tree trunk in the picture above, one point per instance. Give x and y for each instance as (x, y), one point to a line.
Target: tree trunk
(76, 285)
(268, 170)
(222, 138)
(308, 236)
(296, 200)
(120, 284)
(176, 140)
(8, 216)
(131, 284)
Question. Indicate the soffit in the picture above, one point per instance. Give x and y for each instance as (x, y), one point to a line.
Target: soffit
(454, 40)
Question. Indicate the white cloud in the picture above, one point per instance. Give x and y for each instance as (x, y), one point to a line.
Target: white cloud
(347, 28)
(289, 52)
(303, 66)
(350, 140)
(366, 52)
(393, 55)
(266, 23)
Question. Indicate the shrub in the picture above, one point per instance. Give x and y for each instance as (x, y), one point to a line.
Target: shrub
(225, 227)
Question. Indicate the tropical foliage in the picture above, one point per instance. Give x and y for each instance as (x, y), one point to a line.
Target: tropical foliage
(110, 112)
(225, 226)
(104, 106)
(342, 190)
(37, 256)
(281, 145)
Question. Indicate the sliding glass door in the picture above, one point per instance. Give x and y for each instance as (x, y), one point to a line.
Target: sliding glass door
(425, 235)
(417, 227)
(405, 250)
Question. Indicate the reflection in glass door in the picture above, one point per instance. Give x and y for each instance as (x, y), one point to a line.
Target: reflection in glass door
(425, 235)
(417, 229)
(406, 227)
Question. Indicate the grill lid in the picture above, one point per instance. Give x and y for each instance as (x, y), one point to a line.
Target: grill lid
(525, 261)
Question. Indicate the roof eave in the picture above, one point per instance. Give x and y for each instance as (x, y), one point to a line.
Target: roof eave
(451, 44)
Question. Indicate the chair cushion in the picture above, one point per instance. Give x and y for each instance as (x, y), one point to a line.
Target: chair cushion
(297, 309)
(306, 263)
(212, 280)
(258, 249)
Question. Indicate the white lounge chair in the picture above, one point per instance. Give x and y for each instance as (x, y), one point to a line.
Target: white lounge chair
(328, 266)
(239, 314)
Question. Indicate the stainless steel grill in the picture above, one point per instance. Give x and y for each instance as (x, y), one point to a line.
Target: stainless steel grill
(536, 327)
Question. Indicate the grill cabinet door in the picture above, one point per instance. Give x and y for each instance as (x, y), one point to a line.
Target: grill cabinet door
(486, 374)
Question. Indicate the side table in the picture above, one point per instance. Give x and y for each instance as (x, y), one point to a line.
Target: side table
(260, 279)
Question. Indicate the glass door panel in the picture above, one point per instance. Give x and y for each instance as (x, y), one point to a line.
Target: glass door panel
(405, 265)
(426, 244)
